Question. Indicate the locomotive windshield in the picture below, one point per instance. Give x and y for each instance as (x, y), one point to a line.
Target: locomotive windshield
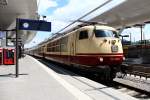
(105, 33)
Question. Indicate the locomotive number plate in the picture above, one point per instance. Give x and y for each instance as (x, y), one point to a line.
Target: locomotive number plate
(114, 48)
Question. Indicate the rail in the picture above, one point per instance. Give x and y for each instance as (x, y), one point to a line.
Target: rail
(137, 70)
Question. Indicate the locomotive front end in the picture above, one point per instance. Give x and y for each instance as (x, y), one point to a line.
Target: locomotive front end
(106, 47)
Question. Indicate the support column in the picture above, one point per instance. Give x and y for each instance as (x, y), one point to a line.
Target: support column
(17, 67)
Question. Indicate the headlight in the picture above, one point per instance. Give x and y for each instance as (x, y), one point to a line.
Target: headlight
(101, 59)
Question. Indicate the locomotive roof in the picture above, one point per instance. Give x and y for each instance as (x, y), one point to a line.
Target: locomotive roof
(98, 27)
(88, 27)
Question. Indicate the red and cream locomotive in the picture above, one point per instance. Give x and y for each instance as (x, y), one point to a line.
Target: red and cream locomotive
(95, 48)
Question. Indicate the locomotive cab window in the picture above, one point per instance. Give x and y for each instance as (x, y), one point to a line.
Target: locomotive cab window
(83, 35)
(105, 33)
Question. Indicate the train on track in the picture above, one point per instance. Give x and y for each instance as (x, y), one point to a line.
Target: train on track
(95, 48)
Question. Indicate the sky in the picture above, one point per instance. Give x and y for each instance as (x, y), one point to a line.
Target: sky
(62, 12)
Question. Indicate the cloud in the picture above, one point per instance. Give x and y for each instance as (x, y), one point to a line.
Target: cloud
(56, 25)
(74, 9)
(45, 4)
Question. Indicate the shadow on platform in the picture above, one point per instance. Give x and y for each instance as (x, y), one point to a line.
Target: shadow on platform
(11, 75)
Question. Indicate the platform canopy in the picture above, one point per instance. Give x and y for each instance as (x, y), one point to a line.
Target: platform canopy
(128, 13)
(12, 9)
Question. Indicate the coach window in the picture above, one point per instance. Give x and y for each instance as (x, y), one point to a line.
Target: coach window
(83, 35)
(64, 42)
(49, 46)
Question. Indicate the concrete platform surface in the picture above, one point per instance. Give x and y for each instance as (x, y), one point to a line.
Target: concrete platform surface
(38, 82)
(33, 83)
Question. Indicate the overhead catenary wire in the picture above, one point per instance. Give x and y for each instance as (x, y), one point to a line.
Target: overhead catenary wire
(38, 5)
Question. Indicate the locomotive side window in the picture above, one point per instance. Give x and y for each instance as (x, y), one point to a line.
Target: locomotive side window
(49, 47)
(105, 33)
(83, 35)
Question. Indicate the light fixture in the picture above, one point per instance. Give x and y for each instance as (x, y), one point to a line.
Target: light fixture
(3, 2)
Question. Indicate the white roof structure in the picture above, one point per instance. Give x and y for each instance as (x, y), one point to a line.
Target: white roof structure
(12, 9)
(128, 13)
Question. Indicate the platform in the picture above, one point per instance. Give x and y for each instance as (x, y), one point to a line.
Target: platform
(38, 82)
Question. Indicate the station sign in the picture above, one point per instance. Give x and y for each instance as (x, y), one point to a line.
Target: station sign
(35, 25)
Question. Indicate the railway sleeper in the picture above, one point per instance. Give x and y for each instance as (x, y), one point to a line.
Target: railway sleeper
(141, 74)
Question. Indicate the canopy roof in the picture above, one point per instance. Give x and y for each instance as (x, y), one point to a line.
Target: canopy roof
(12, 9)
(128, 13)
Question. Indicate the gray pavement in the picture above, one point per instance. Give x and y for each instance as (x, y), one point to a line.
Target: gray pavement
(33, 84)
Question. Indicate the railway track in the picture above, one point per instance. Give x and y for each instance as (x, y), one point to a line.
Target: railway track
(132, 92)
(125, 88)
(141, 70)
(132, 89)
